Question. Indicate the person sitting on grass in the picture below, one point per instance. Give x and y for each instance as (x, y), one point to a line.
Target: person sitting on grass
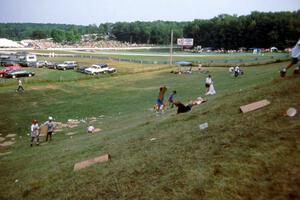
(181, 108)
(294, 60)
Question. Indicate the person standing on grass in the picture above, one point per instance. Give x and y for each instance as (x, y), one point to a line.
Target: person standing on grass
(35, 132)
(211, 89)
(20, 86)
(50, 128)
(294, 59)
(160, 98)
(208, 82)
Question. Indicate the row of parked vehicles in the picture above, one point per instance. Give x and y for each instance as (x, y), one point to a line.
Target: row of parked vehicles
(95, 69)
(15, 70)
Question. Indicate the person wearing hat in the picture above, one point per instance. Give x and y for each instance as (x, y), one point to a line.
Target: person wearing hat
(294, 59)
(50, 128)
(35, 132)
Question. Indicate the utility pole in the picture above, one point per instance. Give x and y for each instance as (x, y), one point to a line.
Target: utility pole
(171, 48)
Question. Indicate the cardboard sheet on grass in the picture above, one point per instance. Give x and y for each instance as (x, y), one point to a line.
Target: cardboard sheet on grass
(43, 130)
(84, 164)
(254, 106)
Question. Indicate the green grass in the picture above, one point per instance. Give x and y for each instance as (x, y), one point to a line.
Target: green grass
(240, 156)
(117, 54)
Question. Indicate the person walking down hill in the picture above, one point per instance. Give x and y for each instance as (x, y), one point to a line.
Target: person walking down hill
(294, 60)
(35, 132)
(208, 81)
(160, 98)
(20, 86)
(210, 89)
(50, 128)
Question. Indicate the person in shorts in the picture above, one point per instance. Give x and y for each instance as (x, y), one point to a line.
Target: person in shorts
(160, 98)
(35, 132)
(294, 60)
(50, 128)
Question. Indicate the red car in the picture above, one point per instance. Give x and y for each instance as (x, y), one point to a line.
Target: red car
(7, 69)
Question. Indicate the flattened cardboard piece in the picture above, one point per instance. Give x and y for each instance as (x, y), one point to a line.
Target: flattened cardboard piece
(7, 143)
(84, 164)
(254, 106)
(11, 135)
(43, 130)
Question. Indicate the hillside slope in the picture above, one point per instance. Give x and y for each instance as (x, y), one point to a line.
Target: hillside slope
(239, 156)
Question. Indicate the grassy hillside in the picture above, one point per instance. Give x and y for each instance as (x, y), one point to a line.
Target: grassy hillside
(240, 156)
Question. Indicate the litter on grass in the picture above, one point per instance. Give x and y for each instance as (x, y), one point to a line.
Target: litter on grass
(152, 139)
(10, 135)
(84, 164)
(254, 106)
(7, 143)
(71, 133)
(5, 153)
(203, 126)
(291, 112)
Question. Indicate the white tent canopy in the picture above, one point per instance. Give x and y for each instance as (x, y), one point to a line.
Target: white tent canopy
(5, 43)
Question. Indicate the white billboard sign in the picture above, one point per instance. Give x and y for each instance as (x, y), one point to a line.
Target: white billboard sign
(185, 41)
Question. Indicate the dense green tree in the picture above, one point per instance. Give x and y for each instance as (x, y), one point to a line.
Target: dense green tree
(58, 35)
(259, 29)
(39, 34)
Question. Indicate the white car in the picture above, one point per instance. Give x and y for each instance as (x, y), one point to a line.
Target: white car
(99, 69)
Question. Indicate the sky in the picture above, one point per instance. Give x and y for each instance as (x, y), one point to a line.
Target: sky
(84, 12)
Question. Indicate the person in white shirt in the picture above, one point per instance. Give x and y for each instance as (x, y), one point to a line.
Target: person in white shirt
(294, 59)
(35, 132)
(208, 81)
(210, 90)
(20, 86)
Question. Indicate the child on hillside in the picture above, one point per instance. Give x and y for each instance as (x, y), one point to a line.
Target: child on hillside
(294, 59)
(35, 132)
(171, 98)
(50, 128)
(20, 86)
(160, 98)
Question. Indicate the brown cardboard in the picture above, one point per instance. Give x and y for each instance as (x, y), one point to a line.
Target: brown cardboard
(254, 106)
(84, 164)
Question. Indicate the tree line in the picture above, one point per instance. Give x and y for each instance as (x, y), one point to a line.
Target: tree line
(258, 29)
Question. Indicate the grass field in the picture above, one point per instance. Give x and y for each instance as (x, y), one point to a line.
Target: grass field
(239, 156)
(163, 55)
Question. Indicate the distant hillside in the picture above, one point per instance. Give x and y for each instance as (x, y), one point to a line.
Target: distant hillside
(259, 29)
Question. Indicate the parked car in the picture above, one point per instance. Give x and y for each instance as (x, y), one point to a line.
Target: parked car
(38, 64)
(10, 68)
(99, 69)
(18, 73)
(51, 65)
(67, 65)
(81, 69)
